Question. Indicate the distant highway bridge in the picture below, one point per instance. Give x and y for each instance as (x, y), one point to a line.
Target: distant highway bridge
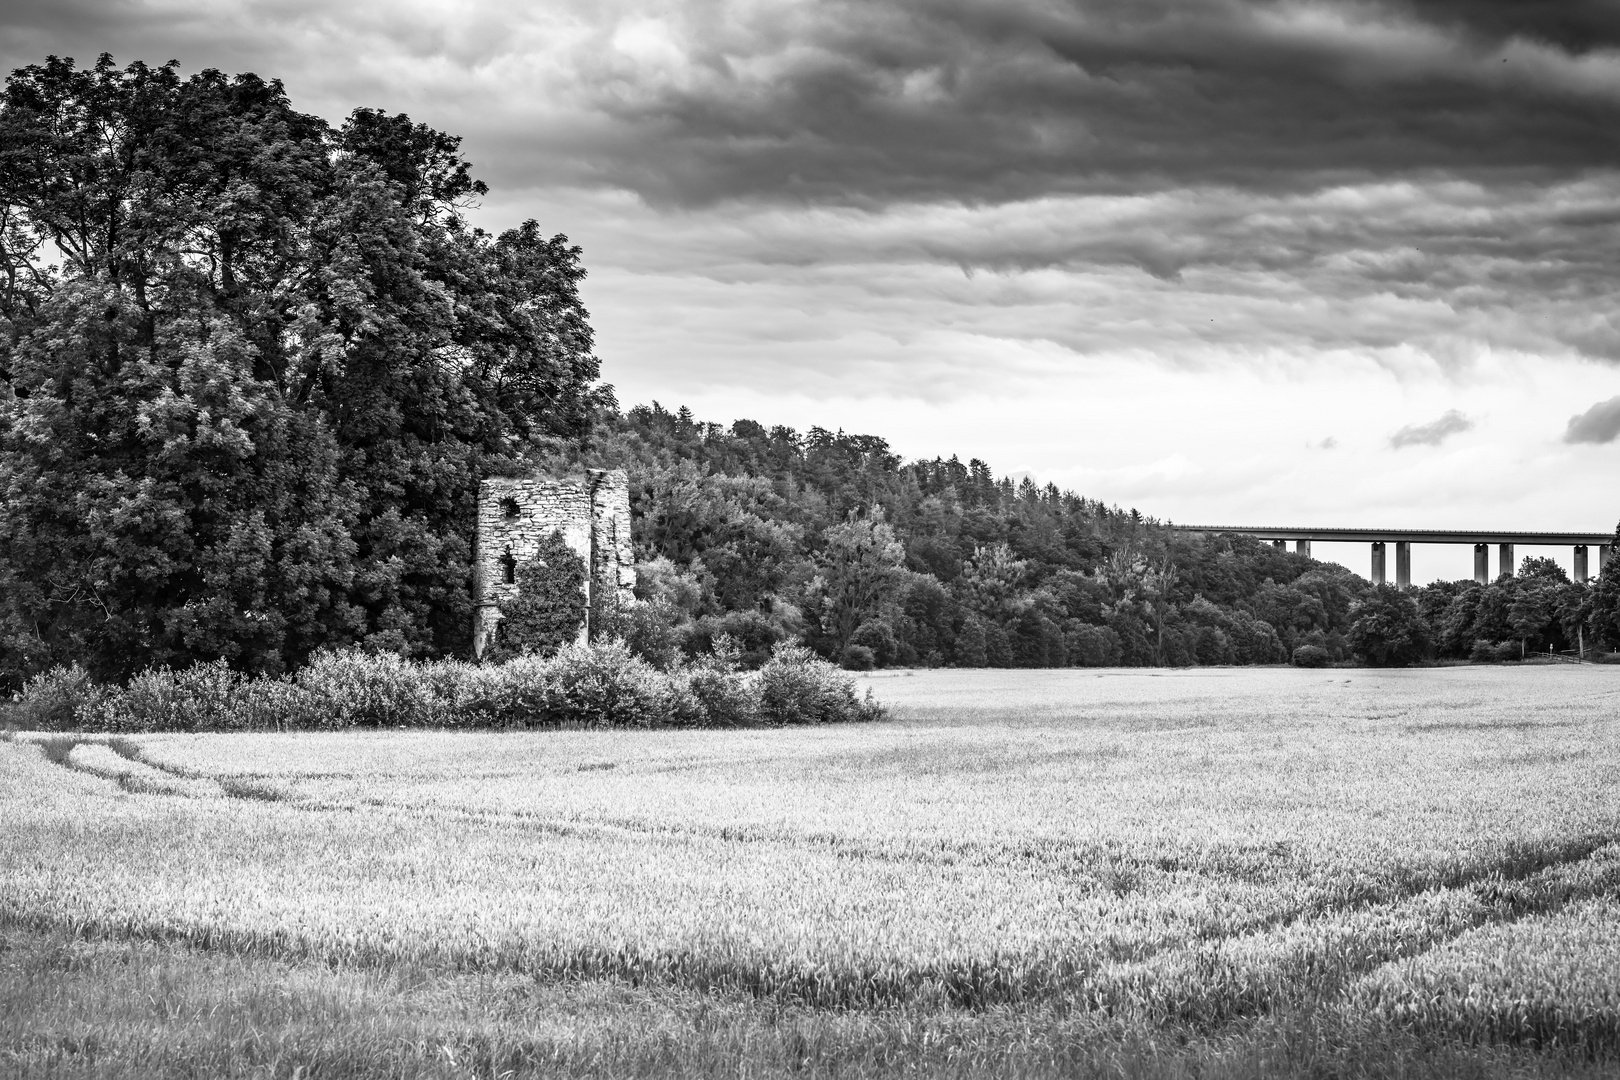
(1403, 539)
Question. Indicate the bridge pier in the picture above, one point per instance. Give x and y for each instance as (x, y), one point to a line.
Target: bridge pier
(1403, 564)
(1482, 563)
(1302, 547)
(1580, 562)
(1280, 545)
(1603, 555)
(1504, 561)
(1378, 562)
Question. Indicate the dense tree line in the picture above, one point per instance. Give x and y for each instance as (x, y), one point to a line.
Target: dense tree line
(1538, 610)
(253, 368)
(765, 534)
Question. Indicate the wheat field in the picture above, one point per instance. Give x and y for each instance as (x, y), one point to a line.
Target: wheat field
(1220, 872)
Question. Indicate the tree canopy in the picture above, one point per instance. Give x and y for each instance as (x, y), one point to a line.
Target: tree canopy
(766, 533)
(254, 367)
(1389, 630)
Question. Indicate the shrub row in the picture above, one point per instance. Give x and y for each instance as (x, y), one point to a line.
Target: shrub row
(1485, 652)
(1312, 656)
(598, 685)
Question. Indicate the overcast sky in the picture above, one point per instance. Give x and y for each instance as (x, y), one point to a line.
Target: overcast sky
(1337, 263)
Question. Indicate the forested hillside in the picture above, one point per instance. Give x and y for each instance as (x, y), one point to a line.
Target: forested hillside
(767, 533)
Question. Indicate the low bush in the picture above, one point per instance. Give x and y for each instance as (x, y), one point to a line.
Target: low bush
(353, 688)
(203, 697)
(602, 686)
(798, 687)
(1312, 656)
(598, 685)
(471, 695)
(50, 700)
(1491, 652)
(711, 693)
(1091, 646)
(716, 698)
(277, 705)
(859, 658)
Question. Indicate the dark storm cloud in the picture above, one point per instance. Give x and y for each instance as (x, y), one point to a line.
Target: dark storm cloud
(997, 100)
(992, 100)
(1433, 433)
(1599, 424)
(154, 32)
(1423, 179)
(1436, 269)
(1574, 25)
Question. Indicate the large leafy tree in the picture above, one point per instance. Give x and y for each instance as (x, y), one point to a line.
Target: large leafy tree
(253, 369)
(1539, 599)
(1389, 630)
(859, 572)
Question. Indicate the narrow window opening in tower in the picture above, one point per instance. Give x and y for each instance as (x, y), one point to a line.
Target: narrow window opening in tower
(509, 508)
(508, 569)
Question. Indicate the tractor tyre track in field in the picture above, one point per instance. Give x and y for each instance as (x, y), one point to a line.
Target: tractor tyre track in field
(1505, 890)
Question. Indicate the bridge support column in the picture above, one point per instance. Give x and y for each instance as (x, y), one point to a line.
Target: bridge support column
(1580, 562)
(1403, 564)
(1603, 555)
(1280, 545)
(1504, 561)
(1303, 547)
(1482, 563)
(1378, 562)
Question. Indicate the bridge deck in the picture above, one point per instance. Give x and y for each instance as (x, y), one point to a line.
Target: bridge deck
(1414, 536)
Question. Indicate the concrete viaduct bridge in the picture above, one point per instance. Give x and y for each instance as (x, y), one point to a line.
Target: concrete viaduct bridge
(1403, 539)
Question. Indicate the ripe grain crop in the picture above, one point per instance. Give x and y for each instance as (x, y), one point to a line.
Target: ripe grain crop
(1153, 852)
(1545, 980)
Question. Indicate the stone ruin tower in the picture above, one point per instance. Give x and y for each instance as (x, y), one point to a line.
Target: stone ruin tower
(593, 514)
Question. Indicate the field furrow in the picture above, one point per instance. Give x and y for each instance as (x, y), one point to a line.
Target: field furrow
(1196, 866)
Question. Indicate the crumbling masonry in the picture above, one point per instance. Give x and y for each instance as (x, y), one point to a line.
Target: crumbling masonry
(514, 514)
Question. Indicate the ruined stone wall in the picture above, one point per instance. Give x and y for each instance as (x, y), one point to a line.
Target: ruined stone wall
(613, 568)
(516, 513)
